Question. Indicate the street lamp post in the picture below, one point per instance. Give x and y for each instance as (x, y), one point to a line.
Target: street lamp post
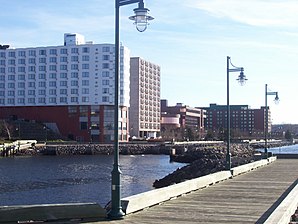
(276, 99)
(241, 79)
(141, 19)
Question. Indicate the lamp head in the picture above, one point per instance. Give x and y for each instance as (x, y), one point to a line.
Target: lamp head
(242, 78)
(276, 99)
(141, 17)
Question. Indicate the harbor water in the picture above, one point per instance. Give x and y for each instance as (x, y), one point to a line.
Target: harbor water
(83, 178)
(70, 179)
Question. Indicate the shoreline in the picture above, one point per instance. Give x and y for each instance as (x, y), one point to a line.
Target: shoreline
(126, 149)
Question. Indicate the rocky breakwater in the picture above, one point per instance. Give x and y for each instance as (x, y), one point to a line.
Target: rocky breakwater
(204, 160)
(102, 149)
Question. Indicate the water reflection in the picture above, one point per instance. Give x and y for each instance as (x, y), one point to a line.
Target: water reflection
(59, 179)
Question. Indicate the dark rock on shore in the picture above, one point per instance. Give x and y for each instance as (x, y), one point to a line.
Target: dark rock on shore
(102, 149)
(206, 160)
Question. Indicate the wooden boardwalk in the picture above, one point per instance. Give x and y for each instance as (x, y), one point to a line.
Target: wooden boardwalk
(247, 198)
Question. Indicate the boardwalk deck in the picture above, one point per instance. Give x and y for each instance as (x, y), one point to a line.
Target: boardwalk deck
(248, 198)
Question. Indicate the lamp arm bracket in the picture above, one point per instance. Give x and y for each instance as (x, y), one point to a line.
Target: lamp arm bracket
(271, 93)
(127, 2)
(235, 69)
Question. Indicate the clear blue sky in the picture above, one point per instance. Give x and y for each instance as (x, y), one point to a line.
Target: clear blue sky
(189, 39)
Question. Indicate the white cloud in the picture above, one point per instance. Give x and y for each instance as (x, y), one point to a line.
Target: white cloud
(253, 12)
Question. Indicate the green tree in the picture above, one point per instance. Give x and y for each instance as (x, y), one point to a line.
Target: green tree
(288, 135)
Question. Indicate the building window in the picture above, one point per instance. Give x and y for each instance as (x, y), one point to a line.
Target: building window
(105, 65)
(21, 53)
(86, 50)
(63, 91)
(42, 52)
(42, 92)
(63, 59)
(105, 99)
(85, 66)
(52, 91)
(74, 50)
(12, 62)
(53, 51)
(21, 61)
(106, 57)
(85, 91)
(63, 83)
(12, 54)
(53, 59)
(31, 68)
(32, 53)
(10, 101)
(63, 51)
(21, 77)
(52, 100)
(10, 93)
(41, 100)
(85, 99)
(105, 82)
(41, 84)
(85, 82)
(21, 85)
(74, 99)
(74, 75)
(21, 92)
(11, 77)
(53, 75)
(74, 58)
(63, 99)
(21, 100)
(63, 67)
(42, 60)
(74, 67)
(74, 83)
(105, 74)
(31, 84)
(74, 91)
(105, 49)
(42, 76)
(85, 58)
(83, 125)
(52, 84)
(63, 75)
(105, 90)
(11, 69)
(53, 67)
(21, 69)
(85, 74)
(31, 92)
(31, 100)
(42, 68)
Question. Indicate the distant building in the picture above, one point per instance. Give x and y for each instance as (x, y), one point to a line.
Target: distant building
(244, 121)
(70, 87)
(144, 113)
(182, 122)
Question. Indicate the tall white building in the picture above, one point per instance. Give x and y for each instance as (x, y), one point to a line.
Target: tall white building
(144, 110)
(77, 77)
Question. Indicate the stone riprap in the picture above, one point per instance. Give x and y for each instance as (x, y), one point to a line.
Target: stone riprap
(206, 160)
(102, 149)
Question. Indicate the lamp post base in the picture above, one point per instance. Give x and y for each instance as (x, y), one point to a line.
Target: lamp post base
(228, 161)
(116, 215)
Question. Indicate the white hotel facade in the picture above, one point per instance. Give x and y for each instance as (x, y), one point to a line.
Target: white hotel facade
(69, 86)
